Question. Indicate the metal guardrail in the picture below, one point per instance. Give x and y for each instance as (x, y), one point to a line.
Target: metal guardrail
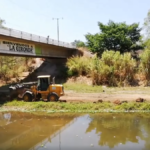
(32, 37)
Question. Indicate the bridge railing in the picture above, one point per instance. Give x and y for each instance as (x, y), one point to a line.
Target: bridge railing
(33, 37)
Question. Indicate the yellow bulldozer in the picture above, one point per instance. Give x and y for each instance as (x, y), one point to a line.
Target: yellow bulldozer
(42, 89)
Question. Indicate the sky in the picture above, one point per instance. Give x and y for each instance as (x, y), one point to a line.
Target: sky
(79, 16)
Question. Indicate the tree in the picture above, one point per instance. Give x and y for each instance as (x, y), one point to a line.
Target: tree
(2, 22)
(147, 24)
(147, 29)
(115, 36)
(78, 43)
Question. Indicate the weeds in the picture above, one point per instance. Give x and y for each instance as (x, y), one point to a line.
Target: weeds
(77, 87)
(145, 64)
(113, 69)
(79, 65)
(77, 107)
(12, 67)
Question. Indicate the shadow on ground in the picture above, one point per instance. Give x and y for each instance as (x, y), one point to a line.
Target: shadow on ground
(4, 97)
(54, 67)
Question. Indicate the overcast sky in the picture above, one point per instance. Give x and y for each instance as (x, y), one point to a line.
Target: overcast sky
(79, 16)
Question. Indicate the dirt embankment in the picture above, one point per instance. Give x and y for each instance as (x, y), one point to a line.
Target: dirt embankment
(53, 67)
(71, 96)
(92, 97)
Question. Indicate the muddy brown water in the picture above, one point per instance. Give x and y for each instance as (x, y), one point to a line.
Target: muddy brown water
(105, 131)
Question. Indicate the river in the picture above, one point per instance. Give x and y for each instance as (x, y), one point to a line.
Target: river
(105, 131)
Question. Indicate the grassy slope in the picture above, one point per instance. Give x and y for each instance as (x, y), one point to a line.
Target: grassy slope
(74, 107)
(82, 88)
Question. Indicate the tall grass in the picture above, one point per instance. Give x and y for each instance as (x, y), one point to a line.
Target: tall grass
(12, 67)
(113, 69)
(79, 65)
(145, 64)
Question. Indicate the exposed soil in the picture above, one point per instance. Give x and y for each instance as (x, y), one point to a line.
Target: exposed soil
(71, 96)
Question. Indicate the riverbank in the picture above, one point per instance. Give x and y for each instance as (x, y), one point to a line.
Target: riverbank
(88, 99)
(77, 92)
(88, 107)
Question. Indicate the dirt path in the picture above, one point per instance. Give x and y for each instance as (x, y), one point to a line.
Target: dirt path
(90, 97)
(110, 95)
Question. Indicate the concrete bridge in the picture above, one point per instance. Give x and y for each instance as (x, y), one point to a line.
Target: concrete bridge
(18, 43)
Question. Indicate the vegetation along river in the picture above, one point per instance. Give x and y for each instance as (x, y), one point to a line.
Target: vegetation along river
(104, 131)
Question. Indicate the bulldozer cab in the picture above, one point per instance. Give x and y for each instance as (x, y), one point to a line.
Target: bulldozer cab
(44, 90)
(43, 82)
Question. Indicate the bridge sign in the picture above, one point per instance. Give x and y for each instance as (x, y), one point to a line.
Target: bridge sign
(17, 47)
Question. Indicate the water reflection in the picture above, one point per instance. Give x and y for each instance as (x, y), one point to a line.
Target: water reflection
(116, 129)
(27, 131)
(21, 131)
(5, 118)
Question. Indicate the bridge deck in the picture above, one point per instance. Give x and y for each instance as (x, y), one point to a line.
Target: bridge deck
(18, 43)
(27, 36)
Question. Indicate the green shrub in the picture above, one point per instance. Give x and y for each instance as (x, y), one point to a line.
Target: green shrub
(11, 67)
(78, 65)
(112, 69)
(145, 64)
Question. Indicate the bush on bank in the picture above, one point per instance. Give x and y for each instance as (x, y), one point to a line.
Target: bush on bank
(12, 67)
(145, 64)
(113, 69)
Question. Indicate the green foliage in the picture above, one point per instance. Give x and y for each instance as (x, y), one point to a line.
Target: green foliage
(145, 63)
(76, 106)
(78, 65)
(147, 43)
(94, 43)
(113, 68)
(82, 88)
(114, 36)
(12, 67)
(78, 43)
(71, 73)
(81, 44)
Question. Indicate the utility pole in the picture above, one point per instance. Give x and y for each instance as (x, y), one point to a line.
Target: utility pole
(57, 27)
